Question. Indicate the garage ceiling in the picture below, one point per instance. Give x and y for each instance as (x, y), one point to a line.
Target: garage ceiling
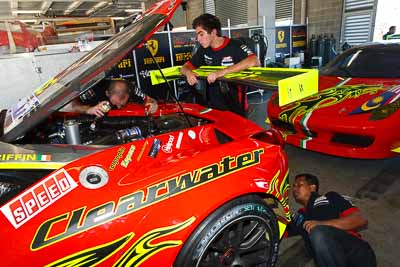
(30, 9)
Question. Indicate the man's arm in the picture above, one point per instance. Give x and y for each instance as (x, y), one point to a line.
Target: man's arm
(353, 221)
(79, 107)
(350, 217)
(187, 71)
(248, 62)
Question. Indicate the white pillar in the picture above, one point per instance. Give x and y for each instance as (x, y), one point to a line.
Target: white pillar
(267, 8)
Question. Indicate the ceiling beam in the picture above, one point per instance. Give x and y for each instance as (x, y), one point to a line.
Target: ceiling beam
(63, 1)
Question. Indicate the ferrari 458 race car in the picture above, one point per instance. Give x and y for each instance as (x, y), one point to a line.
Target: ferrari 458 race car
(188, 186)
(356, 112)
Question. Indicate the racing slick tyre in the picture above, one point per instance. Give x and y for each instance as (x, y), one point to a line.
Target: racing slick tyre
(243, 232)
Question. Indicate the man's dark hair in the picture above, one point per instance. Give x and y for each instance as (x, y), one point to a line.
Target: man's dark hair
(208, 22)
(392, 28)
(310, 179)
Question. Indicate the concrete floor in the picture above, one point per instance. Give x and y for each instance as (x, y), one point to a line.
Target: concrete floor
(373, 185)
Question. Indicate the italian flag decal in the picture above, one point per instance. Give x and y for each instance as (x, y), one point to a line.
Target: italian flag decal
(44, 157)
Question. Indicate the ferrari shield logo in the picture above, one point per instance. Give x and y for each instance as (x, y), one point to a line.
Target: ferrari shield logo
(281, 36)
(152, 45)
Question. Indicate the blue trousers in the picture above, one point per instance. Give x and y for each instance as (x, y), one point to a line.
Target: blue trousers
(333, 247)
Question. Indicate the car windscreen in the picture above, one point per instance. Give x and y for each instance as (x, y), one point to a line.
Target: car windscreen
(75, 79)
(381, 61)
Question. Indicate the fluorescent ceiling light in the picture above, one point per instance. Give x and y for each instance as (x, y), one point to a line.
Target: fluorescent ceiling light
(132, 10)
(28, 20)
(26, 11)
(97, 6)
(74, 5)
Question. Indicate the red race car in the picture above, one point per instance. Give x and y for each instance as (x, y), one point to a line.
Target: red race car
(356, 112)
(189, 186)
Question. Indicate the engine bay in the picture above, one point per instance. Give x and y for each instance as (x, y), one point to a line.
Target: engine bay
(108, 130)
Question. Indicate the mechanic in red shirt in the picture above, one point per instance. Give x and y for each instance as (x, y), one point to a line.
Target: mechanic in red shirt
(218, 50)
(328, 224)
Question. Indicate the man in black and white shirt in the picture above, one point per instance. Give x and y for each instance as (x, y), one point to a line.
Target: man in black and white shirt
(217, 50)
(328, 224)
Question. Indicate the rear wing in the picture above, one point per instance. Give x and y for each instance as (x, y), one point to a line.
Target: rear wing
(292, 84)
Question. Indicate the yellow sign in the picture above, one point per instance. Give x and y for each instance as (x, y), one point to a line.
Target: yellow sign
(149, 60)
(152, 45)
(297, 87)
(183, 56)
(125, 63)
(281, 36)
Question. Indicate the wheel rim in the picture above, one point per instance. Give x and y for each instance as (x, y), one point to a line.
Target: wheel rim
(244, 242)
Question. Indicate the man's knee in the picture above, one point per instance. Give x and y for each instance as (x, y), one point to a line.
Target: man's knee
(321, 237)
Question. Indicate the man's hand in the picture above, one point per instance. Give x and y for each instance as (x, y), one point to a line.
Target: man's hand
(212, 77)
(97, 110)
(309, 225)
(151, 105)
(191, 77)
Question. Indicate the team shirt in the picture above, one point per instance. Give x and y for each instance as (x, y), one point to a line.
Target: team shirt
(321, 208)
(99, 94)
(229, 53)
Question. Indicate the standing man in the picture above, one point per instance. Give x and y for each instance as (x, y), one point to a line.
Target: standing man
(328, 224)
(218, 50)
(392, 30)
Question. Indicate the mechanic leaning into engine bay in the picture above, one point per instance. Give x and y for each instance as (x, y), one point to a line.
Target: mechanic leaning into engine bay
(328, 224)
(117, 95)
(218, 50)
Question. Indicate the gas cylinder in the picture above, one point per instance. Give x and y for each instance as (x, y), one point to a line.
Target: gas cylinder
(313, 46)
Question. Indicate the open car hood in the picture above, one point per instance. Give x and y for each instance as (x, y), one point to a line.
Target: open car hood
(29, 111)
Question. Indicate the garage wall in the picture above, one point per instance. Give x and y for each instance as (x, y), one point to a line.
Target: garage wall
(324, 16)
(196, 8)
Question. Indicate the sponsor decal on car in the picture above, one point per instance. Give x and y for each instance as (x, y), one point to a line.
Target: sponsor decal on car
(128, 158)
(139, 252)
(386, 97)
(192, 134)
(179, 141)
(66, 225)
(39, 197)
(142, 150)
(117, 158)
(25, 157)
(167, 148)
(155, 147)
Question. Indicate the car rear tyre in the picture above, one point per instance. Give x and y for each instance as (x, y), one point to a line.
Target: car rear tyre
(243, 232)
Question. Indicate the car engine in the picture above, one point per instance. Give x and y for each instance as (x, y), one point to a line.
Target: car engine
(87, 130)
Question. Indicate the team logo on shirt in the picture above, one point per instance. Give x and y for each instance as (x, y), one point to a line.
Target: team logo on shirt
(246, 49)
(322, 200)
(227, 61)
(208, 60)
